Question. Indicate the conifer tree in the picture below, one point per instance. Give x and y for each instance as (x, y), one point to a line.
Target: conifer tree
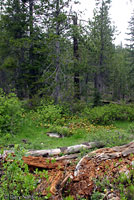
(13, 28)
(101, 45)
(130, 47)
(57, 21)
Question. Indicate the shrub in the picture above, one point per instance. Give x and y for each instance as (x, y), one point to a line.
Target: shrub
(109, 113)
(123, 184)
(10, 113)
(16, 181)
(63, 131)
(50, 113)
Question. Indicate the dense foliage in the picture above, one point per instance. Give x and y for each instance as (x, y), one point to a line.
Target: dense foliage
(11, 113)
(109, 113)
(45, 51)
(16, 181)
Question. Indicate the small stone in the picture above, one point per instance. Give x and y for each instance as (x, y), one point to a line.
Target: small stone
(54, 135)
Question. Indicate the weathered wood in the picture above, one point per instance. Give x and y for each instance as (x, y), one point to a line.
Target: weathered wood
(106, 154)
(67, 157)
(56, 183)
(56, 152)
(65, 150)
(101, 163)
(45, 163)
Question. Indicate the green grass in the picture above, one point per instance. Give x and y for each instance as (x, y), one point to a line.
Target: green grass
(118, 134)
(123, 124)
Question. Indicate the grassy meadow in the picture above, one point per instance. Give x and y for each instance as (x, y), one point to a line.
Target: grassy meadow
(112, 124)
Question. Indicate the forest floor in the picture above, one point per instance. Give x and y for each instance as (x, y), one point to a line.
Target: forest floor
(98, 175)
(96, 178)
(35, 137)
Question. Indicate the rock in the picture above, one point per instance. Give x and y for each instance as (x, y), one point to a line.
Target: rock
(55, 135)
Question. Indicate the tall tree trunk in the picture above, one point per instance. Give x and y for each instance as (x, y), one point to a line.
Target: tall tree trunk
(57, 47)
(76, 57)
(32, 71)
(98, 78)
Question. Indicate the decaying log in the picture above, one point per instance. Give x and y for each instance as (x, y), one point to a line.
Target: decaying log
(55, 152)
(99, 164)
(107, 154)
(40, 162)
(56, 183)
(66, 150)
(67, 157)
(93, 165)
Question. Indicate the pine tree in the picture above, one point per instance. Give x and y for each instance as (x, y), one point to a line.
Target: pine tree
(130, 47)
(13, 28)
(119, 78)
(57, 23)
(20, 37)
(101, 45)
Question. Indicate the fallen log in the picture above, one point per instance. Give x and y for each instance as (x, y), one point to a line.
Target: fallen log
(45, 163)
(66, 150)
(59, 151)
(64, 176)
(107, 154)
(102, 163)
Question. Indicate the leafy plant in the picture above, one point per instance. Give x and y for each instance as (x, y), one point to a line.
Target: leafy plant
(97, 196)
(131, 129)
(123, 184)
(16, 182)
(48, 114)
(109, 113)
(10, 113)
(63, 131)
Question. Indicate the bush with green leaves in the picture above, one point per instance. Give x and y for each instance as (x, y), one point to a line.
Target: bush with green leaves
(61, 130)
(16, 181)
(10, 113)
(48, 113)
(123, 184)
(109, 113)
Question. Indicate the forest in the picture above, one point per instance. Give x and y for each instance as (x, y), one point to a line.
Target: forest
(48, 50)
(66, 103)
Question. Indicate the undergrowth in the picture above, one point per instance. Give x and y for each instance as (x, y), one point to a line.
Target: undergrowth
(19, 125)
(112, 124)
(122, 184)
(109, 113)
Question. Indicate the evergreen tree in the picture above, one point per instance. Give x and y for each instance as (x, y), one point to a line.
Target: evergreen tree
(101, 45)
(57, 21)
(119, 78)
(13, 28)
(20, 36)
(130, 47)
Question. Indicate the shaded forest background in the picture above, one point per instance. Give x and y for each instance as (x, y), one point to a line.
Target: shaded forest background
(47, 50)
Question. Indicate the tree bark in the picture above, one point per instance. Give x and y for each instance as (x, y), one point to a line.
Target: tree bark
(66, 150)
(57, 50)
(63, 150)
(76, 58)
